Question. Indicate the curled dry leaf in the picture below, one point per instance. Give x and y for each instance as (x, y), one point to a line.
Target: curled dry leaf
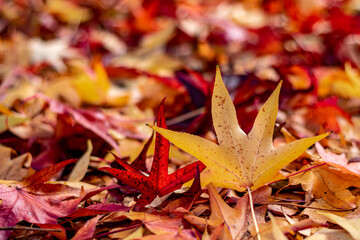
(316, 207)
(330, 184)
(81, 165)
(16, 168)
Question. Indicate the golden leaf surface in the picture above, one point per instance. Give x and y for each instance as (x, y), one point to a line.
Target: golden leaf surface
(240, 160)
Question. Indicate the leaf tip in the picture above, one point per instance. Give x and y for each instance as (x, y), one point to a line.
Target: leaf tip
(278, 88)
(326, 134)
(163, 101)
(218, 73)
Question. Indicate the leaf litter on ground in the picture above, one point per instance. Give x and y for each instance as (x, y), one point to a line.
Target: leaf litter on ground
(108, 65)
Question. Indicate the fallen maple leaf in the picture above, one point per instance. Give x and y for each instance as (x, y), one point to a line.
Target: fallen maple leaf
(234, 219)
(325, 114)
(31, 200)
(329, 184)
(184, 201)
(344, 83)
(94, 86)
(159, 182)
(237, 221)
(95, 121)
(240, 161)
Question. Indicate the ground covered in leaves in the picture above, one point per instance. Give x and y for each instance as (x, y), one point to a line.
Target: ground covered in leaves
(268, 148)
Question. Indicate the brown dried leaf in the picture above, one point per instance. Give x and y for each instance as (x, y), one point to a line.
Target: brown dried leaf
(16, 168)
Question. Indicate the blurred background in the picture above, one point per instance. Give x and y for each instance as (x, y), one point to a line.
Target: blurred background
(72, 70)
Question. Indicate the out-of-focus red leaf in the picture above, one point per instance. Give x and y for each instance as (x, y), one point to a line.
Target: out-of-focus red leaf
(49, 153)
(268, 43)
(325, 114)
(159, 182)
(298, 76)
(126, 72)
(87, 231)
(94, 121)
(252, 87)
(197, 86)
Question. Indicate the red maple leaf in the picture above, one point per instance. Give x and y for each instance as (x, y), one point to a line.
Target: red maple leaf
(159, 182)
(34, 201)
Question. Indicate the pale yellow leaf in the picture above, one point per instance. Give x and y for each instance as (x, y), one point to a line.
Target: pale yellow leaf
(276, 230)
(7, 122)
(92, 89)
(136, 234)
(82, 165)
(350, 225)
(68, 11)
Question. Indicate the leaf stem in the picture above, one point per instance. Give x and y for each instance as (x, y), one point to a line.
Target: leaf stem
(298, 172)
(30, 228)
(253, 214)
(116, 231)
(303, 206)
(307, 169)
(186, 116)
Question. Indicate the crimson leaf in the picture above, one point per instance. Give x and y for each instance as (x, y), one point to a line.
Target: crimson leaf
(159, 182)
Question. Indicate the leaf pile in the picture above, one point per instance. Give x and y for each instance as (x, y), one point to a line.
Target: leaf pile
(231, 156)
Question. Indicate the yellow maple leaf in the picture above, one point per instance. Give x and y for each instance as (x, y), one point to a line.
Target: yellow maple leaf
(240, 161)
(98, 89)
(93, 89)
